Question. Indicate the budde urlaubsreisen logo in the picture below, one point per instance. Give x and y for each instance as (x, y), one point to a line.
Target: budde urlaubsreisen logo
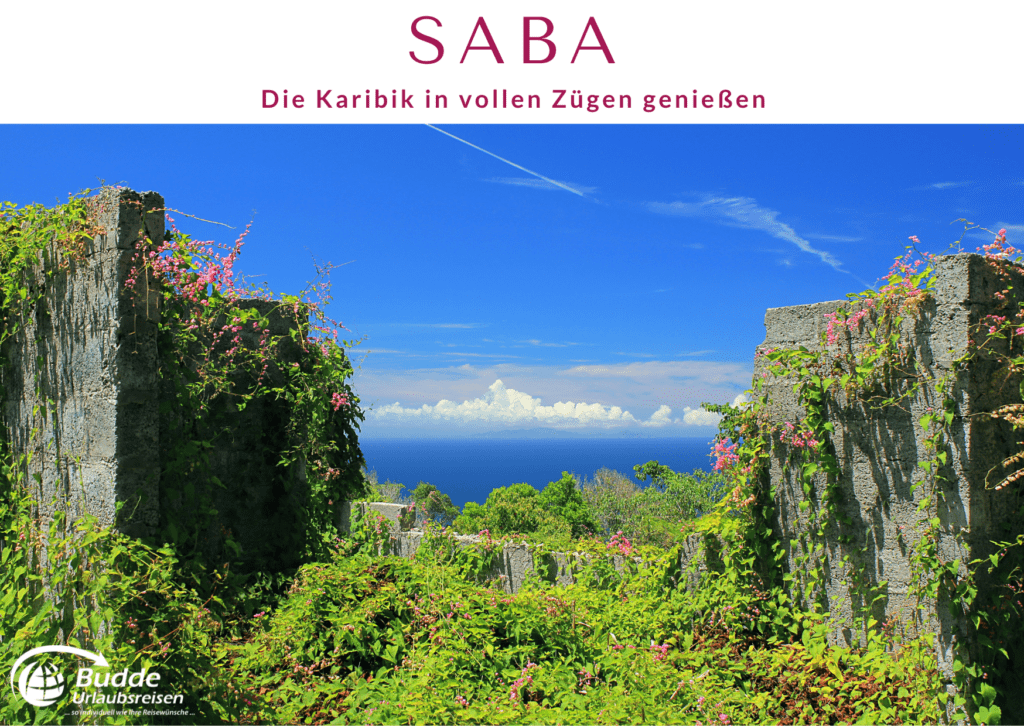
(41, 677)
(39, 680)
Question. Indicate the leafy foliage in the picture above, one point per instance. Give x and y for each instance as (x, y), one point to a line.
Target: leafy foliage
(730, 638)
(363, 640)
(86, 586)
(653, 514)
(388, 491)
(223, 352)
(434, 505)
(162, 604)
(565, 501)
(515, 508)
(882, 372)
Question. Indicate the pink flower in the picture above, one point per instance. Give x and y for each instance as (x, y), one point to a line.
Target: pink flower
(620, 543)
(726, 456)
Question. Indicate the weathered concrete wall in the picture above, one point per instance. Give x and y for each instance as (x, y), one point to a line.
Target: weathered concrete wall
(878, 451)
(80, 380)
(82, 396)
(261, 503)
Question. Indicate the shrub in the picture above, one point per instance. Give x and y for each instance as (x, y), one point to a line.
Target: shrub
(684, 496)
(389, 491)
(361, 640)
(434, 505)
(516, 509)
(565, 501)
(472, 520)
(610, 496)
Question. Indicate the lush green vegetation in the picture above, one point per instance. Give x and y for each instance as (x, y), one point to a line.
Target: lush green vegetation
(568, 509)
(368, 640)
(361, 639)
(159, 604)
(351, 637)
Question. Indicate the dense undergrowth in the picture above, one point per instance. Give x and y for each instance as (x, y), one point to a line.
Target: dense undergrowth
(360, 639)
(368, 640)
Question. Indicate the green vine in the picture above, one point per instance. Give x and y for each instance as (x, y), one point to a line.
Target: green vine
(881, 371)
(231, 355)
(226, 351)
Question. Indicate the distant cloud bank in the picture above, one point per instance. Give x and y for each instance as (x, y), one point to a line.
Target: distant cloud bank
(503, 406)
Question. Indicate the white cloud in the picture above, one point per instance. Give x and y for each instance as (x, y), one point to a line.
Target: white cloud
(700, 417)
(464, 354)
(641, 396)
(946, 185)
(708, 372)
(1014, 235)
(834, 237)
(519, 181)
(542, 344)
(1012, 231)
(365, 352)
(502, 405)
(697, 352)
(661, 417)
(744, 212)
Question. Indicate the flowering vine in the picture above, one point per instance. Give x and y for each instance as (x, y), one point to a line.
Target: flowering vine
(224, 346)
(877, 370)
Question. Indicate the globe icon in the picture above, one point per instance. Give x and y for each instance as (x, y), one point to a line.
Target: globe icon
(41, 684)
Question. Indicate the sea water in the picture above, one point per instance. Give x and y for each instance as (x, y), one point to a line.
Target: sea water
(468, 469)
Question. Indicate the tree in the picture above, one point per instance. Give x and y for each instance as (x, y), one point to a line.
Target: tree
(685, 496)
(564, 500)
(472, 520)
(514, 509)
(434, 504)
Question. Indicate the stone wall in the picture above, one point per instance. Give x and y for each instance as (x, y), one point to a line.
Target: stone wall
(517, 561)
(82, 397)
(878, 451)
(80, 384)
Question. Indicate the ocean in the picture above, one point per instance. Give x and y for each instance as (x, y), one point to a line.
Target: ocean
(468, 469)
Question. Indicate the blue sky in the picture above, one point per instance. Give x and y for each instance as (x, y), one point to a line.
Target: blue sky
(609, 292)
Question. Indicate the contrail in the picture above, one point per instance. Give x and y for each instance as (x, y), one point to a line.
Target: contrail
(511, 163)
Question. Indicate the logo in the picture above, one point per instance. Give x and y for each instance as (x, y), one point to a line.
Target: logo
(39, 680)
(42, 681)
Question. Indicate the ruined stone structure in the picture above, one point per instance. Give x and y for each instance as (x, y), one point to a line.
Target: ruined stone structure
(81, 391)
(82, 397)
(516, 562)
(878, 450)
